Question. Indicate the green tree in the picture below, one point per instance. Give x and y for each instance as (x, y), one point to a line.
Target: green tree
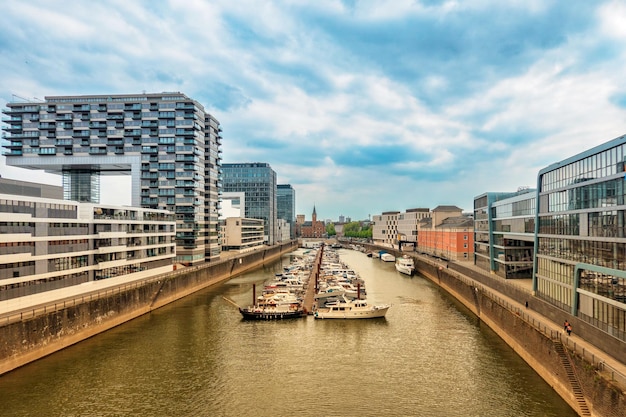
(355, 229)
(330, 229)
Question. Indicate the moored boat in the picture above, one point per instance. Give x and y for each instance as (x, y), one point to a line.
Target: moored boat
(387, 257)
(273, 305)
(272, 313)
(405, 265)
(351, 309)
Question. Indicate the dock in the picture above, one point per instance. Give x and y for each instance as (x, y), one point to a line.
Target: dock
(308, 302)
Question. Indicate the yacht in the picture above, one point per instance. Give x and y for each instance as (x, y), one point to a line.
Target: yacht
(351, 309)
(405, 265)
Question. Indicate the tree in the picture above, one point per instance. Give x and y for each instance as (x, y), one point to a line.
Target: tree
(354, 229)
(330, 229)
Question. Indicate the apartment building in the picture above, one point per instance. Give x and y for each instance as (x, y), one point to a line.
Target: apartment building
(166, 143)
(47, 244)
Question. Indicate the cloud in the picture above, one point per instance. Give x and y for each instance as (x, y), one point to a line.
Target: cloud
(363, 107)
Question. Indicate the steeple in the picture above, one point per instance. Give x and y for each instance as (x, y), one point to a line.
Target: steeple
(314, 217)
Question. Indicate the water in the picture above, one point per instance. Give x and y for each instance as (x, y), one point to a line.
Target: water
(196, 357)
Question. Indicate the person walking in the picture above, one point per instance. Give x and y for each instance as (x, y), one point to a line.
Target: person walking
(565, 324)
(569, 329)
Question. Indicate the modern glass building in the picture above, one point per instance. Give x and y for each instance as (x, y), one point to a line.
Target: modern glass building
(286, 206)
(166, 142)
(504, 232)
(258, 181)
(580, 243)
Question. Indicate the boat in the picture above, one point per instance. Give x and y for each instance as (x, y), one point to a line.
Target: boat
(280, 312)
(274, 304)
(405, 265)
(387, 257)
(351, 309)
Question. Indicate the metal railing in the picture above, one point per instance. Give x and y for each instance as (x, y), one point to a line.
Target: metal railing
(57, 305)
(595, 360)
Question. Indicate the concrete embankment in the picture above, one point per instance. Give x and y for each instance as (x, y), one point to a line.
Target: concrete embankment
(579, 379)
(42, 330)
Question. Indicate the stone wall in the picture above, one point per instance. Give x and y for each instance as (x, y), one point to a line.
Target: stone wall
(538, 348)
(32, 338)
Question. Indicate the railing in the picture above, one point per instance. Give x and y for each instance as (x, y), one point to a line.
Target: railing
(57, 305)
(596, 361)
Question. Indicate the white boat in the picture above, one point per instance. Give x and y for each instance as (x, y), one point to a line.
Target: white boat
(405, 265)
(351, 309)
(387, 257)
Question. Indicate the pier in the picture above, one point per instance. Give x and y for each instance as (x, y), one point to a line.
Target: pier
(308, 301)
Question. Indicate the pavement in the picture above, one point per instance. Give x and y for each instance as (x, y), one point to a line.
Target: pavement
(612, 367)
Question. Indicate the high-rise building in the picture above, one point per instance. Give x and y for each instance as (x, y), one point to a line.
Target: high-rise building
(258, 181)
(166, 142)
(286, 206)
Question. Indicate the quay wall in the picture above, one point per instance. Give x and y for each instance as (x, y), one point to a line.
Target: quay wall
(42, 331)
(537, 345)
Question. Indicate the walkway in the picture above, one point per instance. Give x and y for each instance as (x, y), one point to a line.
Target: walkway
(611, 367)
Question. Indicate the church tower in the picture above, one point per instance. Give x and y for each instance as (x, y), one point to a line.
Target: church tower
(314, 217)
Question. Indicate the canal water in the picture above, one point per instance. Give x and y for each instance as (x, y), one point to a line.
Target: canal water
(196, 357)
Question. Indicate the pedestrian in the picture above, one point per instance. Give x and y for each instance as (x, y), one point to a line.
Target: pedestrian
(526, 304)
(565, 324)
(569, 329)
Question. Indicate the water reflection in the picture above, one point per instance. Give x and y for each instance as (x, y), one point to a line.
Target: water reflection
(428, 357)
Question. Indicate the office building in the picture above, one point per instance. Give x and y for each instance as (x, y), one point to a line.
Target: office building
(242, 234)
(385, 228)
(286, 206)
(580, 244)
(504, 232)
(408, 227)
(258, 181)
(47, 244)
(166, 142)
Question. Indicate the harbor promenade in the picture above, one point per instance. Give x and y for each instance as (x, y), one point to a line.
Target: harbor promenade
(611, 365)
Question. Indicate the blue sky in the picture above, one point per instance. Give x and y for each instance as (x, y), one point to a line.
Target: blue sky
(362, 106)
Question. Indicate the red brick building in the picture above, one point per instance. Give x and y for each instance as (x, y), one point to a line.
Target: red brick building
(314, 228)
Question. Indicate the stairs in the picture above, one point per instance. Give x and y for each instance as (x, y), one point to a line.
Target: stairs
(573, 380)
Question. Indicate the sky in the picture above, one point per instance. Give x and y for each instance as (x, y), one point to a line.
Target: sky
(362, 106)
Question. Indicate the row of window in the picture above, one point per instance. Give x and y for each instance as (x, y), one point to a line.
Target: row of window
(608, 162)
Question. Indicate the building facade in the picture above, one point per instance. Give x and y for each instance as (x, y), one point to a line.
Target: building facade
(580, 243)
(385, 228)
(504, 233)
(451, 239)
(286, 206)
(408, 225)
(242, 234)
(283, 231)
(30, 189)
(314, 228)
(258, 181)
(166, 142)
(47, 244)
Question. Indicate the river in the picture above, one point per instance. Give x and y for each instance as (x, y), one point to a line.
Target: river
(196, 357)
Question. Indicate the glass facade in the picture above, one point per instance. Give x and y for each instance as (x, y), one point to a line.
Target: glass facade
(286, 206)
(580, 253)
(504, 227)
(258, 181)
(168, 144)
